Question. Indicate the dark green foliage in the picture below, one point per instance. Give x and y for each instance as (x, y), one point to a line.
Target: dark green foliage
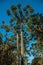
(8, 12)
(37, 32)
(37, 61)
(6, 54)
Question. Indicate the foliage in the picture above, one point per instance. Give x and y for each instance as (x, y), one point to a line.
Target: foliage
(37, 61)
(37, 33)
(7, 54)
(23, 20)
(18, 23)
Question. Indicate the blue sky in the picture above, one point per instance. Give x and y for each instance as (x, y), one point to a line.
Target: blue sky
(6, 4)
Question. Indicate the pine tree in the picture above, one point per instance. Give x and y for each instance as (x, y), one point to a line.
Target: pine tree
(18, 25)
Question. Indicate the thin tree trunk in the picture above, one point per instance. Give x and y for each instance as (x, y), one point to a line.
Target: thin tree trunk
(22, 50)
(17, 50)
(22, 45)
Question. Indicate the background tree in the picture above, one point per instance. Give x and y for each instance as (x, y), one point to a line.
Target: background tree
(37, 33)
(7, 55)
